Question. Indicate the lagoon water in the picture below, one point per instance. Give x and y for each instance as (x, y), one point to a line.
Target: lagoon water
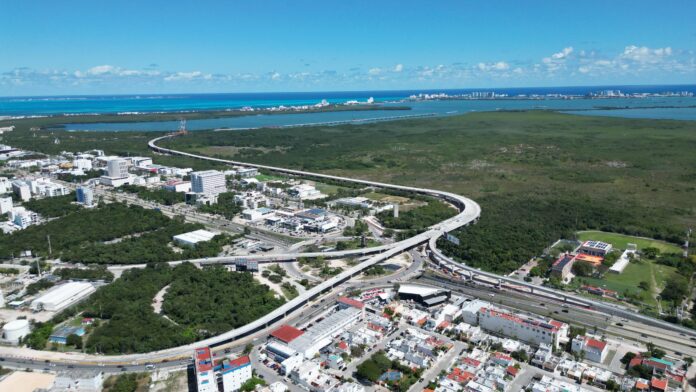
(679, 108)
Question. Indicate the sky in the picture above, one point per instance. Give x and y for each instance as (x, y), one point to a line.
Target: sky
(131, 46)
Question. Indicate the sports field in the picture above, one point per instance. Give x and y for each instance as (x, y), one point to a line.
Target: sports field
(620, 241)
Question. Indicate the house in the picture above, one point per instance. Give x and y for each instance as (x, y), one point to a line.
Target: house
(562, 266)
(593, 349)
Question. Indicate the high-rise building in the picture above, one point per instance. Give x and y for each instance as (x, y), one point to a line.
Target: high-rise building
(210, 182)
(85, 195)
(205, 374)
(117, 168)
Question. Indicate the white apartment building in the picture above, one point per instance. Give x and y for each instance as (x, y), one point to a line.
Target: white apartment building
(5, 185)
(117, 168)
(205, 374)
(524, 329)
(22, 217)
(85, 195)
(235, 373)
(82, 164)
(46, 188)
(22, 190)
(5, 205)
(208, 182)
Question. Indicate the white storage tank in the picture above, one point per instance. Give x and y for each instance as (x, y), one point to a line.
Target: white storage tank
(15, 330)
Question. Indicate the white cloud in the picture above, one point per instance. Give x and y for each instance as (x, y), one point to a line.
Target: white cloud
(643, 54)
(374, 71)
(563, 53)
(180, 76)
(398, 67)
(101, 69)
(497, 66)
(275, 76)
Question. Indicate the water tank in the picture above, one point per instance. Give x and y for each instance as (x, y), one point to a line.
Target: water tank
(14, 330)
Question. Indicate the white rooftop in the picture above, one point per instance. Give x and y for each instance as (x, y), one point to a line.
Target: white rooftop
(195, 237)
(417, 290)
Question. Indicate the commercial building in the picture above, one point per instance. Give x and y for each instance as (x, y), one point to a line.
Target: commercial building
(247, 172)
(177, 186)
(235, 373)
(304, 191)
(256, 214)
(593, 349)
(62, 296)
(285, 334)
(208, 182)
(425, 296)
(525, 329)
(193, 237)
(85, 196)
(595, 248)
(321, 334)
(117, 168)
(205, 375)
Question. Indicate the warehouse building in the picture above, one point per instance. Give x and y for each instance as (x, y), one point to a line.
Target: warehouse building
(62, 296)
(424, 296)
(192, 238)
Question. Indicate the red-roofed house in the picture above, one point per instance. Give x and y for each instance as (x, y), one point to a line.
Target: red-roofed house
(472, 363)
(286, 334)
(594, 350)
(658, 385)
(512, 371)
(346, 302)
(501, 359)
(642, 385)
(460, 376)
(343, 346)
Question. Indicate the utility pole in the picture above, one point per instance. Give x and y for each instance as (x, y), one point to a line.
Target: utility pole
(38, 268)
(48, 238)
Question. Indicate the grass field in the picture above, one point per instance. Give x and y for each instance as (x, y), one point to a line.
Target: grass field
(643, 271)
(268, 177)
(327, 189)
(620, 241)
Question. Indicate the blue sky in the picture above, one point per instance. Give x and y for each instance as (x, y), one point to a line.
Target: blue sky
(128, 46)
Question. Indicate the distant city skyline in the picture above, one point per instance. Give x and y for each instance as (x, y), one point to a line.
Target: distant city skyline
(79, 47)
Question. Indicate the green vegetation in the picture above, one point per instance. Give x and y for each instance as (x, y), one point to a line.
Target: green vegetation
(628, 283)
(215, 300)
(372, 368)
(85, 226)
(39, 335)
(129, 382)
(250, 384)
(551, 174)
(289, 291)
(40, 285)
(69, 177)
(92, 273)
(9, 271)
(198, 303)
(160, 196)
(620, 241)
(418, 218)
(149, 247)
(51, 207)
(225, 206)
